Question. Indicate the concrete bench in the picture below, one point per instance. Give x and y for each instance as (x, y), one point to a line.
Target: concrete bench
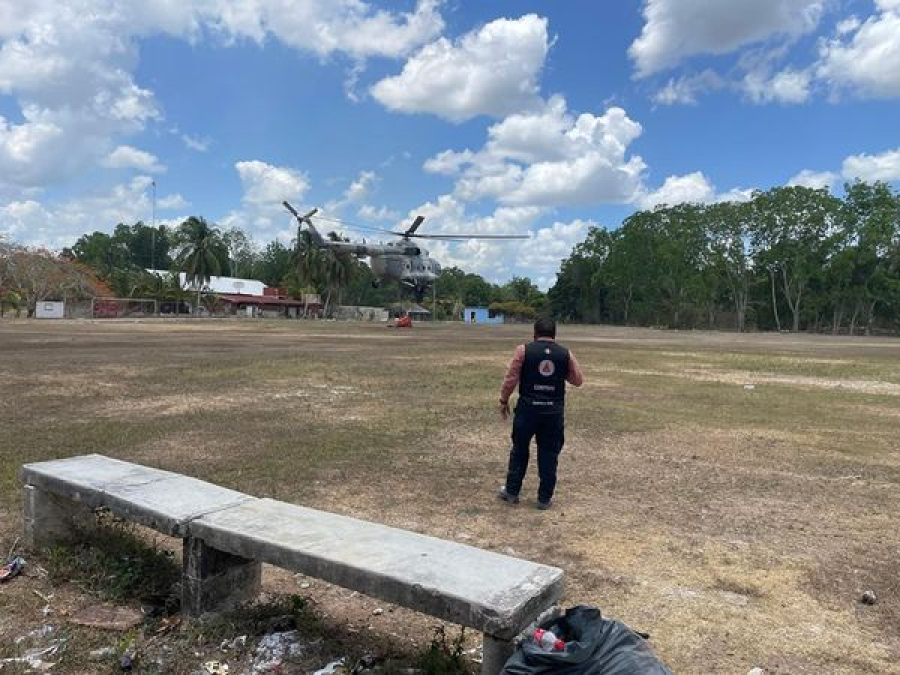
(227, 535)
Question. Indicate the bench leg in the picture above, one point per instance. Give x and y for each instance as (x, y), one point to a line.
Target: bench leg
(51, 519)
(214, 581)
(495, 653)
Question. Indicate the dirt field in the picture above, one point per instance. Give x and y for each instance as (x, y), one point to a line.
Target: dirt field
(733, 496)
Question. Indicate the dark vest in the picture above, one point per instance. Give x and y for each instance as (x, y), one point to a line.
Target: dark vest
(542, 382)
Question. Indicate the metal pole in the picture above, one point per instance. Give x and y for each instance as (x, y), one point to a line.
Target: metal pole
(153, 230)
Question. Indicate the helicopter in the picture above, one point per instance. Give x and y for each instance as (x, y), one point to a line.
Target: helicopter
(403, 261)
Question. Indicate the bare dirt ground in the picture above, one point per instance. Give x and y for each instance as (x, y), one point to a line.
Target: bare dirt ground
(732, 495)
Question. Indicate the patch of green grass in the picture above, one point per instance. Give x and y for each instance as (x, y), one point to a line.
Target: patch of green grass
(114, 564)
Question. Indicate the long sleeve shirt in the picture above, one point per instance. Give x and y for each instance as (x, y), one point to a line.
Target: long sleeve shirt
(511, 379)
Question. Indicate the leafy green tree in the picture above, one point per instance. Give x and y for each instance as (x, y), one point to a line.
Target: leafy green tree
(868, 265)
(273, 265)
(241, 251)
(728, 226)
(793, 237)
(581, 292)
(101, 252)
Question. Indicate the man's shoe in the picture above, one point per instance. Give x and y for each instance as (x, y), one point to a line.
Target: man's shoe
(543, 506)
(508, 498)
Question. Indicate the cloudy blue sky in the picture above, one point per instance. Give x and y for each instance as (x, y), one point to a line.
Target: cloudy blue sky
(506, 116)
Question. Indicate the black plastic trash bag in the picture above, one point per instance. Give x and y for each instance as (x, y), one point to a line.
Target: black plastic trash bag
(594, 646)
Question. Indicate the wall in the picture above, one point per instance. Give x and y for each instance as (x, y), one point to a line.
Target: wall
(50, 310)
(481, 315)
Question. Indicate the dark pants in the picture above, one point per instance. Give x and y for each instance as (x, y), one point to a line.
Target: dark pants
(549, 431)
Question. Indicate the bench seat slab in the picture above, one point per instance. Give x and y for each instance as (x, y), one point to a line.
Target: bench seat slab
(162, 500)
(496, 594)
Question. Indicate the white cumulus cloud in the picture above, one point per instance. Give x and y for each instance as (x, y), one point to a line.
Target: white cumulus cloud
(537, 257)
(678, 29)
(685, 90)
(69, 66)
(551, 158)
(267, 185)
(490, 71)
(56, 226)
(787, 86)
(864, 57)
(814, 179)
(883, 167)
(173, 202)
(692, 188)
(128, 157)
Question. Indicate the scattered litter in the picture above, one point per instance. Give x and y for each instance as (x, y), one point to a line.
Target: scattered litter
(868, 598)
(168, 624)
(33, 658)
(41, 632)
(46, 598)
(237, 644)
(126, 661)
(12, 548)
(108, 617)
(749, 387)
(273, 649)
(378, 611)
(216, 668)
(102, 654)
(365, 665)
(12, 568)
(305, 584)
(756, 671)
(331, 668)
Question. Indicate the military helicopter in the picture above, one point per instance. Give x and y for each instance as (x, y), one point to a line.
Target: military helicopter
(402, 261)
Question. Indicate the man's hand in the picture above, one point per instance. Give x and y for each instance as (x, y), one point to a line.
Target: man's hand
(504, 410)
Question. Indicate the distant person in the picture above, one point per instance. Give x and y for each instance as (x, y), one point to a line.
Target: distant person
(540, 369)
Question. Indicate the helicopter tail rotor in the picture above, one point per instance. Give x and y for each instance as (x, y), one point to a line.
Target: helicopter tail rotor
(307, 218)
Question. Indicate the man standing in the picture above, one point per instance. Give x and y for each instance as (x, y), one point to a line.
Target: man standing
(541, 370)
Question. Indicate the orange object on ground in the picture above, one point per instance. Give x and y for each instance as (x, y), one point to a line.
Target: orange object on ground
(403, 322)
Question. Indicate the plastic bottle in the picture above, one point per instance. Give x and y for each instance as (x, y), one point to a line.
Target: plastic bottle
(548, 641)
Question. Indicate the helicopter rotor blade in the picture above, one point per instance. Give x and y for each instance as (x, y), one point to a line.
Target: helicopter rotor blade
(415, 226)
(466, 237)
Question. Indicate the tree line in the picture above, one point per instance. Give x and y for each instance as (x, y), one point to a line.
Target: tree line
(790, 258)
(116, 264)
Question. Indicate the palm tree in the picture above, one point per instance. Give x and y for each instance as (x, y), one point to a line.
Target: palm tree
(200, 249)
(308, 260)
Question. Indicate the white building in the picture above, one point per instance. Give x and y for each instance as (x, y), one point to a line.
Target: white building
(225, 285)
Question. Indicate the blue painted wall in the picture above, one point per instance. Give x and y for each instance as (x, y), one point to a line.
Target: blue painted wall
(481, 315)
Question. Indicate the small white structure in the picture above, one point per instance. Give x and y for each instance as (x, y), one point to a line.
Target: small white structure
(50, 310)
(227, 285)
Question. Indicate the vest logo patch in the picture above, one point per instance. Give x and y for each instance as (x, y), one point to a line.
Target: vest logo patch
(546, 368)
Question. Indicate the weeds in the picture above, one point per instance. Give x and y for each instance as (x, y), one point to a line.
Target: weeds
(445, 656)
(114, 564)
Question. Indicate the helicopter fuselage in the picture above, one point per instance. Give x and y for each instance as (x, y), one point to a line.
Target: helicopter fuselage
(400, 261)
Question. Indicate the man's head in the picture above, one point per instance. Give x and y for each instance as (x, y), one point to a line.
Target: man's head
(545, 327)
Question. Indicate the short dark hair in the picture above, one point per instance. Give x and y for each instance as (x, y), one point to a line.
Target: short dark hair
(545, 327)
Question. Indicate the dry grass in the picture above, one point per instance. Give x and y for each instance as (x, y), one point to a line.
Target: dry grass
(738, 526)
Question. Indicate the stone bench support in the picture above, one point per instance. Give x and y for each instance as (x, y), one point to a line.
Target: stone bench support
(213, 581)
(51, 519)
